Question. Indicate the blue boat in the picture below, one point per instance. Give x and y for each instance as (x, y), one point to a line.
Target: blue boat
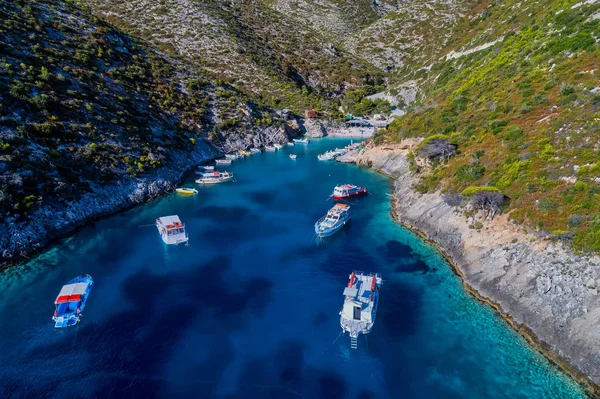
(335, 219)
(71, 299)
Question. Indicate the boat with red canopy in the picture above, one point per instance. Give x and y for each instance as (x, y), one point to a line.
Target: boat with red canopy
(71, 300)
(346, 191)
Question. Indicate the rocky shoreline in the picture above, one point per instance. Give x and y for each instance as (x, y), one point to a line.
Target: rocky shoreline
(20, 239)
(544, 290)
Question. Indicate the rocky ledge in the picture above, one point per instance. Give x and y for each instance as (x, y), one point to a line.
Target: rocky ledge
(545, 290)
(19, 239)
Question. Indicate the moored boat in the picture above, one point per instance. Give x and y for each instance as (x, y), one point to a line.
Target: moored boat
(290, 143)
(223, 161)
(245, 153)
(254, 151)
(301, 141)
(293, 156)
(215, 177)
(270, 148)
(186, 190)
(277, 146)
(231, 156)
(71, 300)
(361, 299)
(202, 167)
(335, 219)
(171, 230)
(346, 191)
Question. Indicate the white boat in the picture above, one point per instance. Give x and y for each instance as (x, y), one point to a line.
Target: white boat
(231, 156)
(302, 141)
(293, 156)
(361, 298)
(201, 167)
(270, 148)
(254, 151)
(330, 155)
(223, 161)
(290, 143)
(278, 146)
(171, 230)
(215, 177)
(336, 218)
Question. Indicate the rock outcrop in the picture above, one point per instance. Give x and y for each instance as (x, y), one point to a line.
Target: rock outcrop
(313, 128)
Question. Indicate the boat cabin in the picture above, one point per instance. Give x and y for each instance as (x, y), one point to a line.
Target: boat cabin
(171, 229)
(69, 299)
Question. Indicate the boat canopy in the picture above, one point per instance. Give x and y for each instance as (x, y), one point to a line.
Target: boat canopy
(171, 222)
(71, 293)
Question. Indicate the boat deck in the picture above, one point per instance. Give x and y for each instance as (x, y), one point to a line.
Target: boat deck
(359, 296)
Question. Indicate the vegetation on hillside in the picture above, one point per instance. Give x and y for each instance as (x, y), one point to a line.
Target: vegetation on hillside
(82, 103)
(523, 113)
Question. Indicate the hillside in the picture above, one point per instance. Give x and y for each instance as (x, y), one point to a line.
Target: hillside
(257, 49)
(84, 106)
(516, 92)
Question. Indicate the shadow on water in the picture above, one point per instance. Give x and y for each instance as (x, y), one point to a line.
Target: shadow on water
(403, 257)
(130, 349)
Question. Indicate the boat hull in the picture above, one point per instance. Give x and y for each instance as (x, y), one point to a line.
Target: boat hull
(329, 231)
(353, 195)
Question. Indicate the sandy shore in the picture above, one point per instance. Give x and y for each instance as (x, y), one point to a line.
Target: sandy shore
(544, 290)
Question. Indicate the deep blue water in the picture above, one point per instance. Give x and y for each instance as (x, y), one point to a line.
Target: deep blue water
(250, 308)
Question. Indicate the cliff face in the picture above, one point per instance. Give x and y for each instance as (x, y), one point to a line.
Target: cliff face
(541, 284)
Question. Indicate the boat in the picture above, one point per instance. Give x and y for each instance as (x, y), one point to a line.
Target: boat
(293, 156)
(270, 148)
(71, 300)
(330, 155)
(223, 161)
(302, 141)
(335, 219)
(215, 177)
(171, 230)
(254, 151)
(290, 143)
(278, 146)
(346, 191)
(245, 153)
(206, 167)
(186, 190)
(231, 156)
(361, 298)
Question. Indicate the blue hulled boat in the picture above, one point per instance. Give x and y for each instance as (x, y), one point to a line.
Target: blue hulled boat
(71, 300)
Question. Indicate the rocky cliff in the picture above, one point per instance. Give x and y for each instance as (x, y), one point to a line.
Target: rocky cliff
(547, 290)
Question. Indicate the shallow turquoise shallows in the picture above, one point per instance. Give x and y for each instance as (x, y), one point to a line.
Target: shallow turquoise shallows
(250, 309)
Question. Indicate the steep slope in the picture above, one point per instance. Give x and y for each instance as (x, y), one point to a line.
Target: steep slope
(255, 48)
(85, 110)
(516, 90)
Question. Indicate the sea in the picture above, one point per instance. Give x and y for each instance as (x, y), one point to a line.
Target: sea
(250, 308)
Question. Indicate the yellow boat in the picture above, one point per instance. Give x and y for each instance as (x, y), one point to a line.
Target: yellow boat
(245, 153)
(186, 190)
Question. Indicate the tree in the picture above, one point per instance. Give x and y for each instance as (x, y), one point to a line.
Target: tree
(489, 202)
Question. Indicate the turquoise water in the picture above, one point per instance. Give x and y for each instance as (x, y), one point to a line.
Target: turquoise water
(250, 308)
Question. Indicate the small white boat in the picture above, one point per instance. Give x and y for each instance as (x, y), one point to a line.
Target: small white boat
(293, 156)
(171, 230)
(290, 143)
(361, 299)
(223, 161)
(231, 156)
(215, 177)
(301, 141)
(202, 167)
(254, 151)
(278, 146)
(186, 190)
(270, 148)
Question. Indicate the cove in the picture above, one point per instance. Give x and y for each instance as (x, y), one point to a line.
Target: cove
(250, 308)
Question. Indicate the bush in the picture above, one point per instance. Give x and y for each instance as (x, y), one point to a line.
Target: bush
(576, 219)
(513, 133)
(546, 204)
(466, 173)
(471, 190)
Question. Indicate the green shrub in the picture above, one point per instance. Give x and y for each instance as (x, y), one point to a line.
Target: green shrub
(471, 190)
(513, 133)
(468, 173)
(546, 204)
